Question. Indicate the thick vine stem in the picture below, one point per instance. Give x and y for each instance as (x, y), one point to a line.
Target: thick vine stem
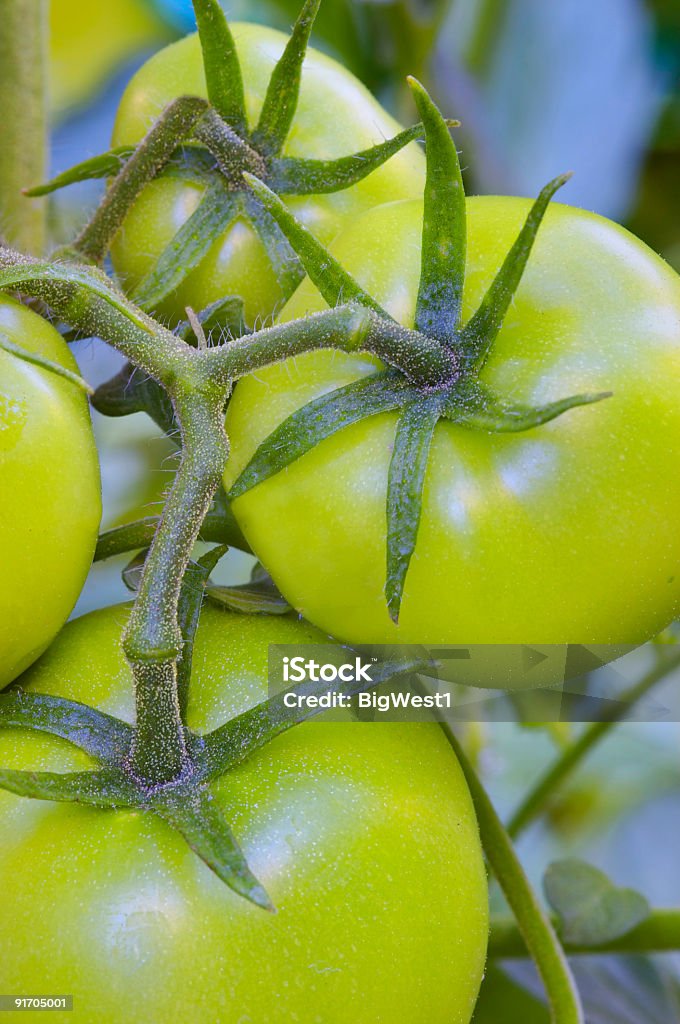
(349, 328)
(87, 300)
(23, 101)
(658, 933)
(533, 922)
(153, 639)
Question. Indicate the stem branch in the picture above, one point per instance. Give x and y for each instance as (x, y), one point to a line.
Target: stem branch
(537, 798)
(153, 638)
(659, 933)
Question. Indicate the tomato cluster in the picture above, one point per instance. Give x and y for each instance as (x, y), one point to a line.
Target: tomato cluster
(483, 508)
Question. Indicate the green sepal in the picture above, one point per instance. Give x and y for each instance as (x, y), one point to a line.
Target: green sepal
(35, 359)
(333, 282)
(299, 177)
(475, 406)
(260, 596)
(225, 316)
(214, 215)
(105, 165)
(319, 419)
(108, 787)
(481, 330)
(238, 739)
(191, 597)
(220, 61)
(132, 391)
(286, 266)
(283, 91)
(198, 818)
(406, 479)
(442, 274)
(100, 735)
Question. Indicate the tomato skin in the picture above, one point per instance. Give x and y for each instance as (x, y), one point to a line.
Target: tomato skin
(50, 502)
(563, 534)
(363, 834)
(336, 116)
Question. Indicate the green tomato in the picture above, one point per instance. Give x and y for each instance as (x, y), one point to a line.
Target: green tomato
(336, 116)
(363, 834)
(50, 503)
(563, 534)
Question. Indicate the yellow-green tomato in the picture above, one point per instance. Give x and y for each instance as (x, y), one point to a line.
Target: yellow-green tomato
(563, 534)
(336, 116)
(363, 835)
(50, 502)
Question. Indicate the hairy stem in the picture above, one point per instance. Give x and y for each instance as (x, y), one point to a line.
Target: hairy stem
(153, 638)
(533, 922)
(174, 125)
(348, 328)
(538, 797)
(658, 933)
(23, 102)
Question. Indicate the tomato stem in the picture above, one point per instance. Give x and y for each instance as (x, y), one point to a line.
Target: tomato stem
(174, 125)
(658, 933)
(23, 101)
(533, 922)
(153, 638)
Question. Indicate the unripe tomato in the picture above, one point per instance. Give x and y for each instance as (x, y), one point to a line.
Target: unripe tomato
(336, 116)
(50, 503)
(562, 534)
(363, 835)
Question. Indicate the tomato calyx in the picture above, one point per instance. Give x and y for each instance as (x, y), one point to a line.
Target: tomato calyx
(185, 802)
(460, 396)
(211, 145)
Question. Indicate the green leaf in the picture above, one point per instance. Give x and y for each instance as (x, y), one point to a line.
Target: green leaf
(105, 738)
(35, 359)
(222, 68)
(106, 788)
(481, 330)
(297, 176)
(442, 274)
(216, 212)
(408, 466)
(592, 910)
(476, 407)
(103, 166)
(319, 419)
(281, 100)
(200, 821)
(191, 597)
(333, 282)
